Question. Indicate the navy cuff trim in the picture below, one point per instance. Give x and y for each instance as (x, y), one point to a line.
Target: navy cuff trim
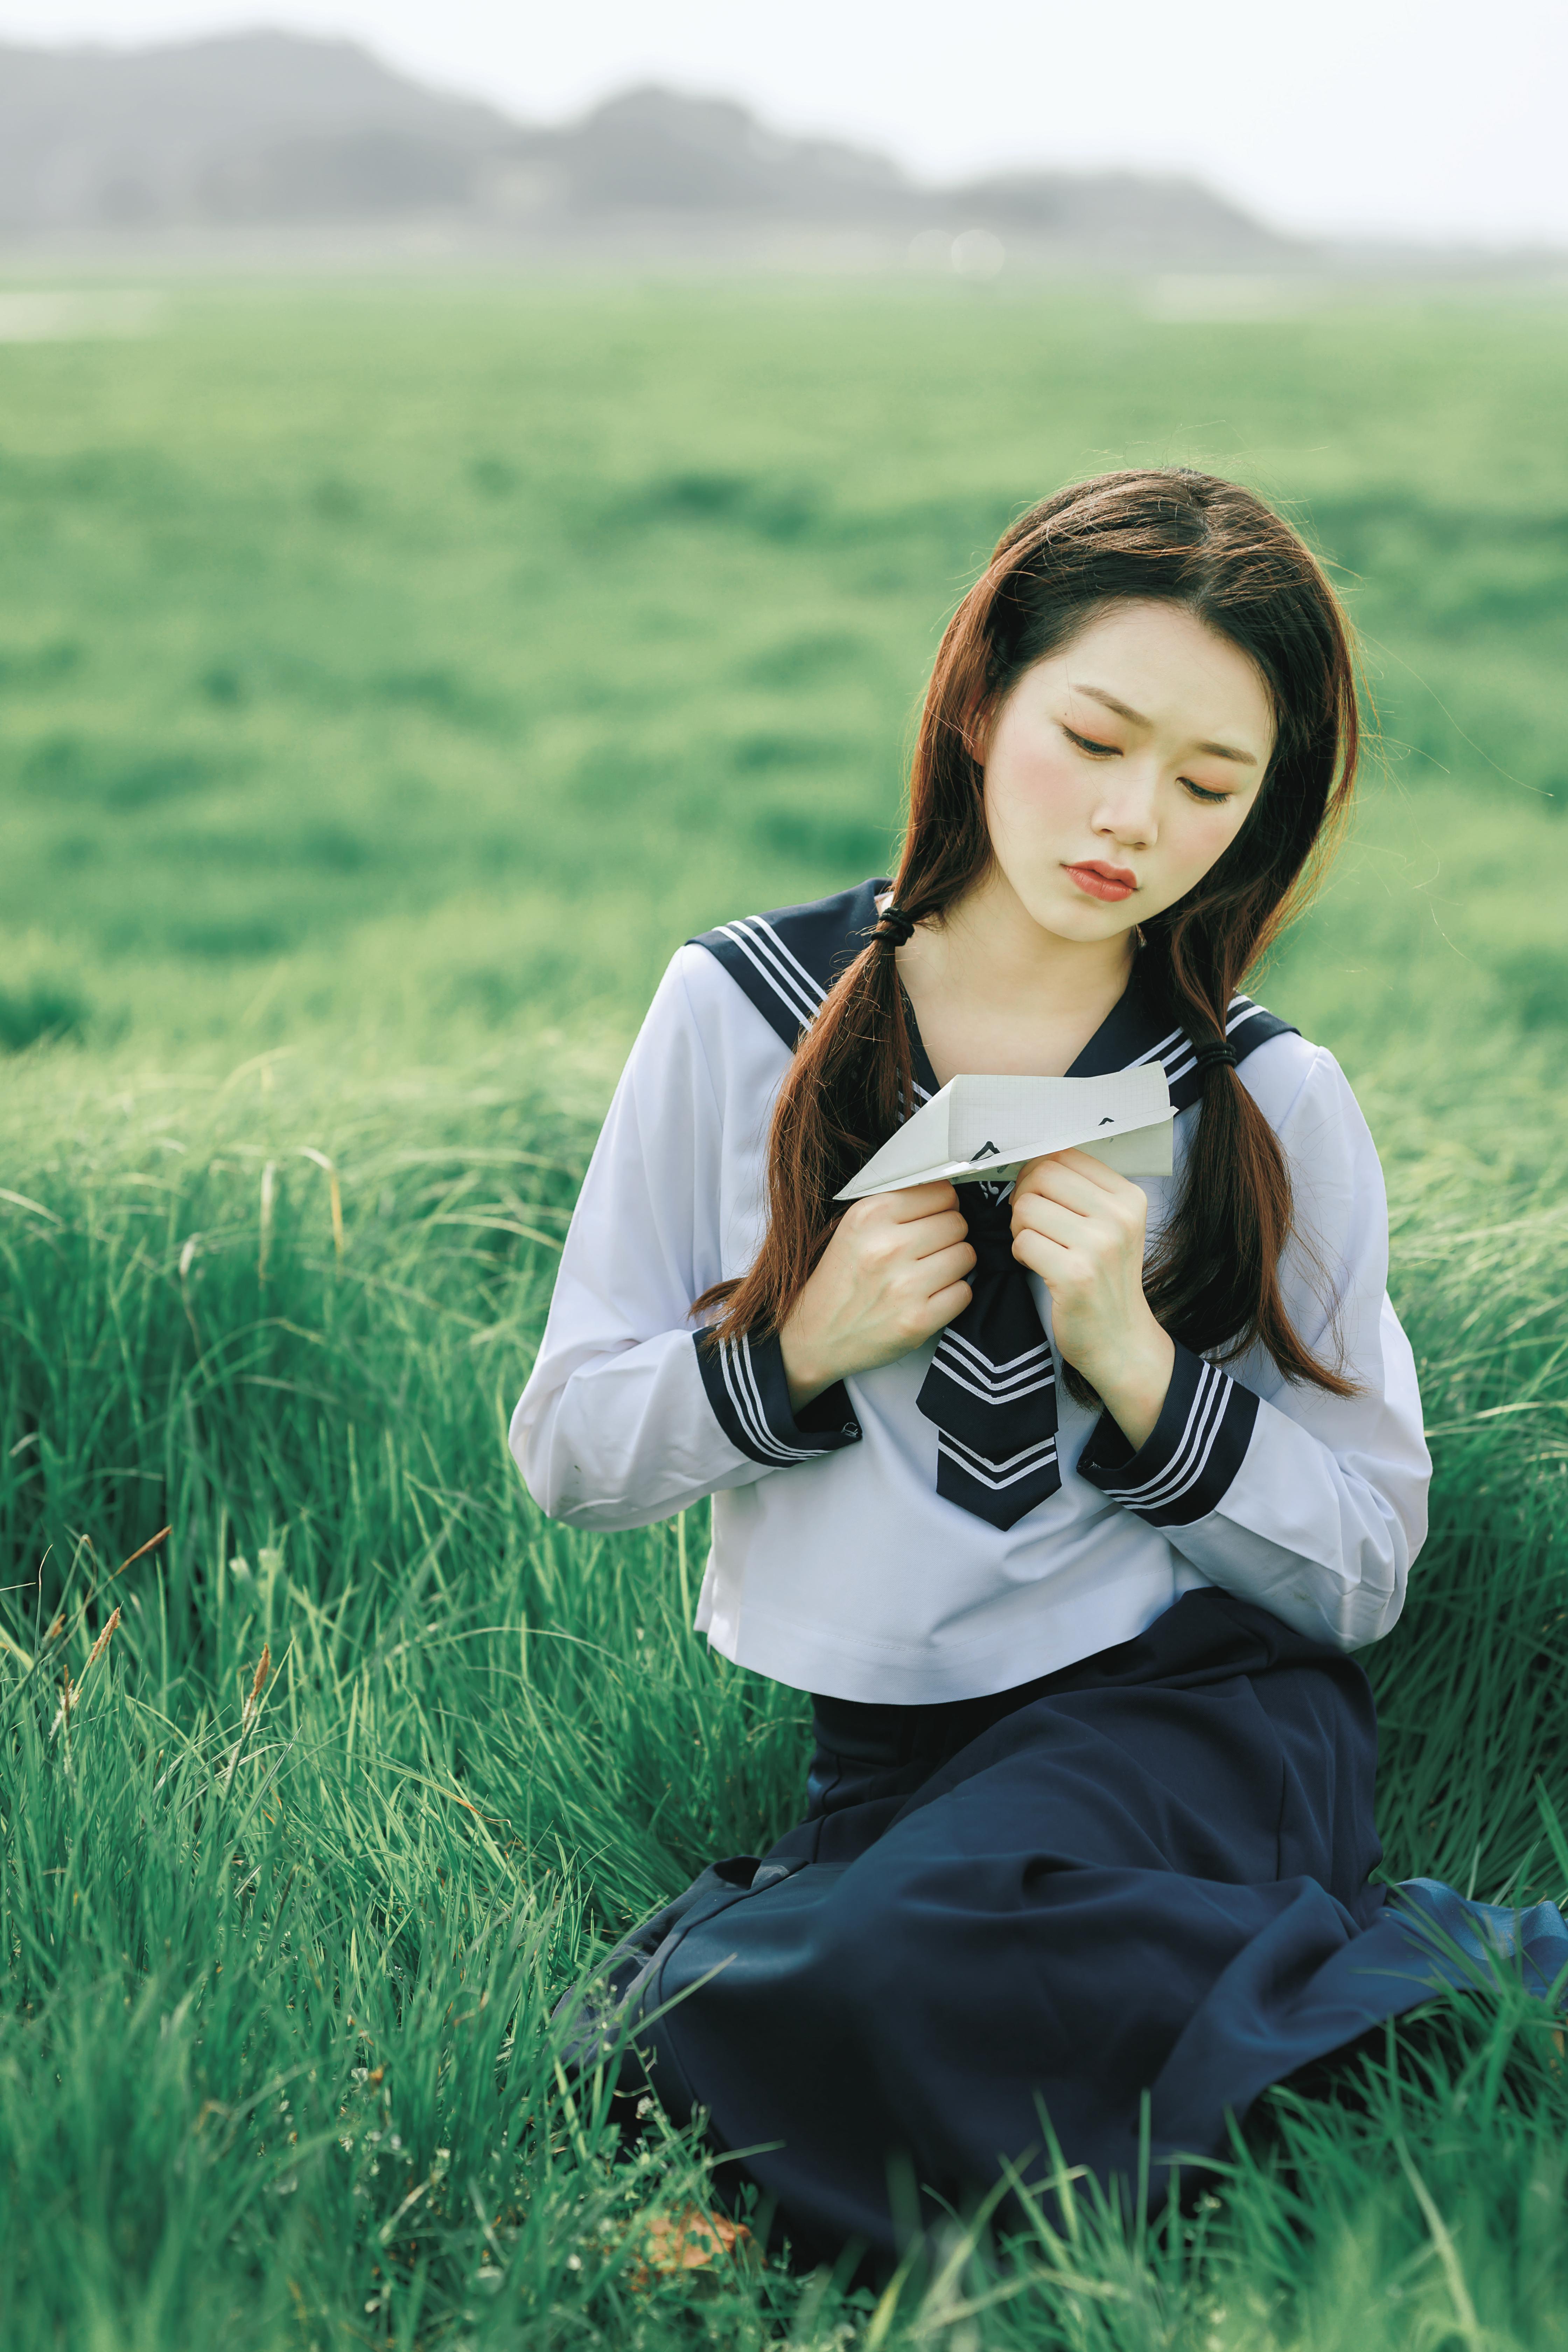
(746, 1386)
(1182, 1470)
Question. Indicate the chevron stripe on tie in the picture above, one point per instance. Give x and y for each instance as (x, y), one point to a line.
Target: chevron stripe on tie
(992, 1386)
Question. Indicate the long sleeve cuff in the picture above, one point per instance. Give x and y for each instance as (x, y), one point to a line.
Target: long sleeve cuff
(746, 1386)
(1185, 1466)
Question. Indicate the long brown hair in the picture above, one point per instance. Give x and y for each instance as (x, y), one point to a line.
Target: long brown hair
(1177, 536)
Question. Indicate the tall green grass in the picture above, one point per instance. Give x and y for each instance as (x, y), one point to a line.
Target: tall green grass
(274, 2061)
(387, 681)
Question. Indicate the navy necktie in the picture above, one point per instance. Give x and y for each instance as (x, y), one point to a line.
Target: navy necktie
(992, 1386)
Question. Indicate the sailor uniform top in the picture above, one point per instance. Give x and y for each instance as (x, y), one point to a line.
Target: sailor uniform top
(836, 1565)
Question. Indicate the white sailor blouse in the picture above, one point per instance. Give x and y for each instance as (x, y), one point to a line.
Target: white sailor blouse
(845, 1559)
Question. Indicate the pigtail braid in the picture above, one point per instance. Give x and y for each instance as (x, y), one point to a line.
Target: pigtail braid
(1214, 1279)
(849, 1086)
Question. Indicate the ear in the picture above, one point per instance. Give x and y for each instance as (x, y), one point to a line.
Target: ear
(976, 731)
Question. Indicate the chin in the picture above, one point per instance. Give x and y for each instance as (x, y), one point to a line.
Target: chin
(1069, 915)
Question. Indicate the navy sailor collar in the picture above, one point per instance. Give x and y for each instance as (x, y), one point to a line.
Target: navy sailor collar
(785, 962)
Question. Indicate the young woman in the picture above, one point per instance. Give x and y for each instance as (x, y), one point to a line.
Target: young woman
(1066, 1501)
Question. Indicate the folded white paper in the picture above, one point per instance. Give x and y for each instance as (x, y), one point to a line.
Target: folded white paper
(986, 1128)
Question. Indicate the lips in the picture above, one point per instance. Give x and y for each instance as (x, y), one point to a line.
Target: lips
(1101, 881)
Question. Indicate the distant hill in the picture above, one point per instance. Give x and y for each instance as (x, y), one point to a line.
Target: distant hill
(272, 130)
(260, 126)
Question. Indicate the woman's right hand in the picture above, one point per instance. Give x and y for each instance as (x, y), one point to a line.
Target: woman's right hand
(892, 1274)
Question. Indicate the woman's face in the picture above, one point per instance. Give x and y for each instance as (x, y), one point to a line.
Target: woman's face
(1118, 769)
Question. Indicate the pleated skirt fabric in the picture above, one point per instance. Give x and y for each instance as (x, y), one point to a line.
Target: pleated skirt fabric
(1148, 1874)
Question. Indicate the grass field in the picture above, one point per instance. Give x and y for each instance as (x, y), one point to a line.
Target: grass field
(388, 679)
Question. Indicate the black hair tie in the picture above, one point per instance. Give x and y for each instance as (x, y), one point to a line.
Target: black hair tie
(1219, 1054)
(893, 927)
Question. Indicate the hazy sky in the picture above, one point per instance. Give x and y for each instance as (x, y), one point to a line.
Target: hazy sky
(1418, 117)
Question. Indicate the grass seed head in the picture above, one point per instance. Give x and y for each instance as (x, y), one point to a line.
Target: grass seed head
(101, 1643)
(252, 1705)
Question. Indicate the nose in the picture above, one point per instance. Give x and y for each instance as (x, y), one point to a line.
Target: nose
(1126, 813)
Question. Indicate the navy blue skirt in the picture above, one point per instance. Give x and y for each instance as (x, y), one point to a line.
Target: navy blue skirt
(1145, 1874)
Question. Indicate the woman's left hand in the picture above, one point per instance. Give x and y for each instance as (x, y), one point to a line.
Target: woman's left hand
(1079, 1226)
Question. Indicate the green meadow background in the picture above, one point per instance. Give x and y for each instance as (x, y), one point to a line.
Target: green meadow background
(390, 678)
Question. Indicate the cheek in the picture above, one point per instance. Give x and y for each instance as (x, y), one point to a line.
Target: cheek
(1029, 788)
(1202, 835)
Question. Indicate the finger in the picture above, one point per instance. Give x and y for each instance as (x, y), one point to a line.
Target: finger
(1087, 1198)
(947, 1265)
(1051, 1260)
(1095, 1171)
(1054, 1179)
(952, 1301)
(1041, 1213)
(920, 1201)
(939, 1233)
(1060, 1190)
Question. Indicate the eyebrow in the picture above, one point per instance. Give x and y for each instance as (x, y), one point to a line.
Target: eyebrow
(1125, 711)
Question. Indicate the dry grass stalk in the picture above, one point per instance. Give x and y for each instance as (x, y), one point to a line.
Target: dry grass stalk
(187, 1259)
(268, 1202)
(259, 1684)
(335, 1192)
(140, 1553)
(56, 1627)
(71, 1692)
(101, 1643)
(249, 1712)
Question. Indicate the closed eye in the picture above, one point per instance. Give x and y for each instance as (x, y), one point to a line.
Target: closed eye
(1113, 751)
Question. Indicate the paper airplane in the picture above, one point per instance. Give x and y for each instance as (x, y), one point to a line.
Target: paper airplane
(983, 1129)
